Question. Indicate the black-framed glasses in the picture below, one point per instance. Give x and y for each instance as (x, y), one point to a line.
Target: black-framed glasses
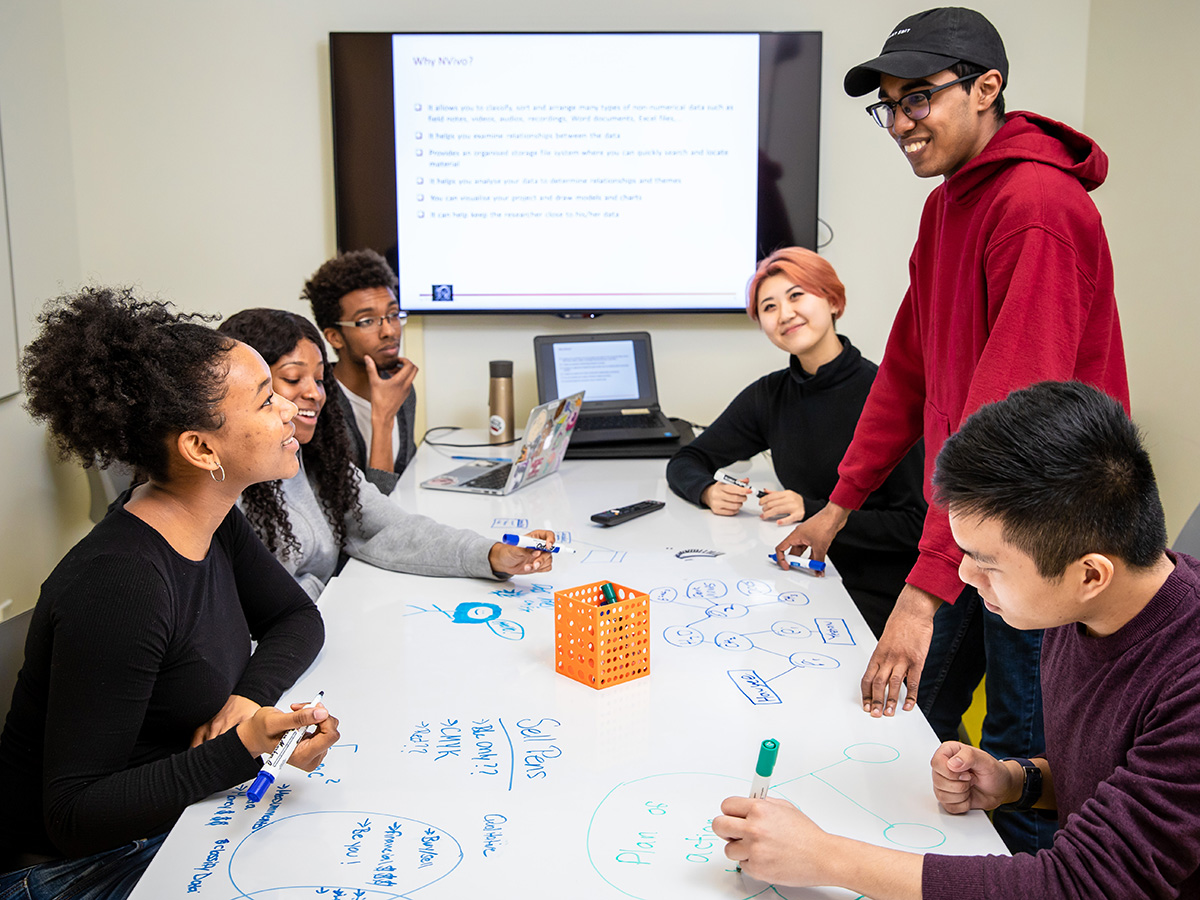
(368, 322)
(914, 105)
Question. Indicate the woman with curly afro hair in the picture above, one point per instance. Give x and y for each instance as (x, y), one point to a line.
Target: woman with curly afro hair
(141, 691)
(329, 510)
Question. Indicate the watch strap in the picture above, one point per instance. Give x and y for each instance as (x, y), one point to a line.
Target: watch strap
(1031, 789)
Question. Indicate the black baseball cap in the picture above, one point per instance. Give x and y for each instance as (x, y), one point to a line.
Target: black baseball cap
(929, 42)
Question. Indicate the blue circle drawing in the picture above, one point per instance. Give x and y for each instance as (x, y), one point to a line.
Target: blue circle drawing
(750, 587)
(871, 753)
(400, 856)
(794, 597)
(507, 629)
(663, 594)
(727, 611)
(683, 636)
(791, 629)
(709, 589)
(803, 660)
(914, 835)
(731, 640)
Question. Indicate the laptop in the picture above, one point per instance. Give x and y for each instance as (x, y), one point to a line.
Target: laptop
(617, 373)
(541, 451)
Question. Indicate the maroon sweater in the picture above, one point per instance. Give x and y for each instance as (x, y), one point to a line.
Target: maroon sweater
(1010, 283)
(1123, 740)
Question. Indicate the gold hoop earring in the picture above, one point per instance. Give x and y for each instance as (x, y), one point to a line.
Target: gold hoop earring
(213, 473)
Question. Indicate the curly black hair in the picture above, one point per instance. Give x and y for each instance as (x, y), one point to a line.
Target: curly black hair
(274, 333)
(115, 377)
(352, 271)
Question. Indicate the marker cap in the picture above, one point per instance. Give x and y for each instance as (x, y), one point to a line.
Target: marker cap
(513, 539)
(261, 785)
(766, 758)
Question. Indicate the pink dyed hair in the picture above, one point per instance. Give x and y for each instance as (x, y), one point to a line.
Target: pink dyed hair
(806, 269)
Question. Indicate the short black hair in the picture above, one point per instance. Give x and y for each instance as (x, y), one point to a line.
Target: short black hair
(1063, 468)
(327, 457)
(962, 69)
(352, 271)
(115, 376)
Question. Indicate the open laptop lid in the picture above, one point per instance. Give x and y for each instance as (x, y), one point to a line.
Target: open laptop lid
(616, 370)
(547, 434)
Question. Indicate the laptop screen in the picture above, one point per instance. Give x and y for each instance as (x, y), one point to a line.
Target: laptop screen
(615, 370)
(605, 369)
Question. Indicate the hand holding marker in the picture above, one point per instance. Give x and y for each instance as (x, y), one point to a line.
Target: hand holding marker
(528, 543)
(726, 478)
(767, 753)
(279, 758)
(811, 565)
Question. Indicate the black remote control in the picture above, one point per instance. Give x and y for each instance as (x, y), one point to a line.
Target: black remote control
(625, 513)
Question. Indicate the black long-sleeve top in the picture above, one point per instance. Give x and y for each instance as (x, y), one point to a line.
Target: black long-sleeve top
(807, 422)
(131, 647)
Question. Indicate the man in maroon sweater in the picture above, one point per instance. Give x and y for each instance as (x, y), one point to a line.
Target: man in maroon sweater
(1011, 282)
(1053, 504)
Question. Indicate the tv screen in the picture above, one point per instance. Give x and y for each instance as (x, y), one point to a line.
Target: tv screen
(575, 173)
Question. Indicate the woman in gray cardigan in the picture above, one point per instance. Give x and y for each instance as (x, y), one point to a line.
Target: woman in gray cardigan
(327, 511)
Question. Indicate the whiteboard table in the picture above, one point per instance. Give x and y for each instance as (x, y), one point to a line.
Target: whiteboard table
(469, 768)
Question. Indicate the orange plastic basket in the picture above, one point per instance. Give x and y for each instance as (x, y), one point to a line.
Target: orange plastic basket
(601, 644)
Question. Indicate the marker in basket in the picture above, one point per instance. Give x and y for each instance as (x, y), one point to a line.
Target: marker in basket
(767, 752)
(812, 565)
(610, 596)
(279, 758)
(528, 543)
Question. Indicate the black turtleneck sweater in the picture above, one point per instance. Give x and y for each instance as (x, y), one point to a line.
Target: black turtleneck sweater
(807, 422)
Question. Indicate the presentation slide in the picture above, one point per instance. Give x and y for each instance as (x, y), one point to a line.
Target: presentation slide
(606, 370)
(612, 171)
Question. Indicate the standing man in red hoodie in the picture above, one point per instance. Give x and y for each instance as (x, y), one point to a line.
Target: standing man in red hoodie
(1011, 283)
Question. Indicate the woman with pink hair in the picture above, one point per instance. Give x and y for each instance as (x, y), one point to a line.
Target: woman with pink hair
(805, 416)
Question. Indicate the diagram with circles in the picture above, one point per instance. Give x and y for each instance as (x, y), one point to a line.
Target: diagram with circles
(764, 630)
(651, 838)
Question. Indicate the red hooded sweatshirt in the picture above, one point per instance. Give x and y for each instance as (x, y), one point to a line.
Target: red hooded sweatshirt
(1010, 283)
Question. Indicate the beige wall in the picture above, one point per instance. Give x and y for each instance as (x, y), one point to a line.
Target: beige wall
(42, 503)
(185, 147)
(1151, 208)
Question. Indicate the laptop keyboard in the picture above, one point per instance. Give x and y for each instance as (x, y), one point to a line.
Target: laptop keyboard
(606, 423)
(493, 479)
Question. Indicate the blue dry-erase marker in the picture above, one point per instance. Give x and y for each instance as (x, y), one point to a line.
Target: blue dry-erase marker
(485, 458)
(528, 543)
(278, 758)
(812, 565)
(763, 770)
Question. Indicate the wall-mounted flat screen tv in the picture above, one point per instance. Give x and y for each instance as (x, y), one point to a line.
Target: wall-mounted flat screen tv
(575, 173)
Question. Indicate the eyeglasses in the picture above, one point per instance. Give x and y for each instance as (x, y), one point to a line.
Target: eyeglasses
(914, 105)
(366, 322)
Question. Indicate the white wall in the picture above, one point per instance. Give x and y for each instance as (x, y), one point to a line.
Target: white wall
(1151, 208)
(200, 167)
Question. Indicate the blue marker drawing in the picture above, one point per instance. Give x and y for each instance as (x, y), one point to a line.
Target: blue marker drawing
(755, 688)
(834, 631)
(709, 589)
(510, 523)
(344, 852)
(750, 587)
(606, 557)
(473, 613)
(507, 629)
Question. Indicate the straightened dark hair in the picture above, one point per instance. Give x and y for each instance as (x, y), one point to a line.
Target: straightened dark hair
(274, 333)
(1063, 469)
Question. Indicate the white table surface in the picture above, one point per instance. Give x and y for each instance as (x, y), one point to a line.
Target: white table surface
(469, 767)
